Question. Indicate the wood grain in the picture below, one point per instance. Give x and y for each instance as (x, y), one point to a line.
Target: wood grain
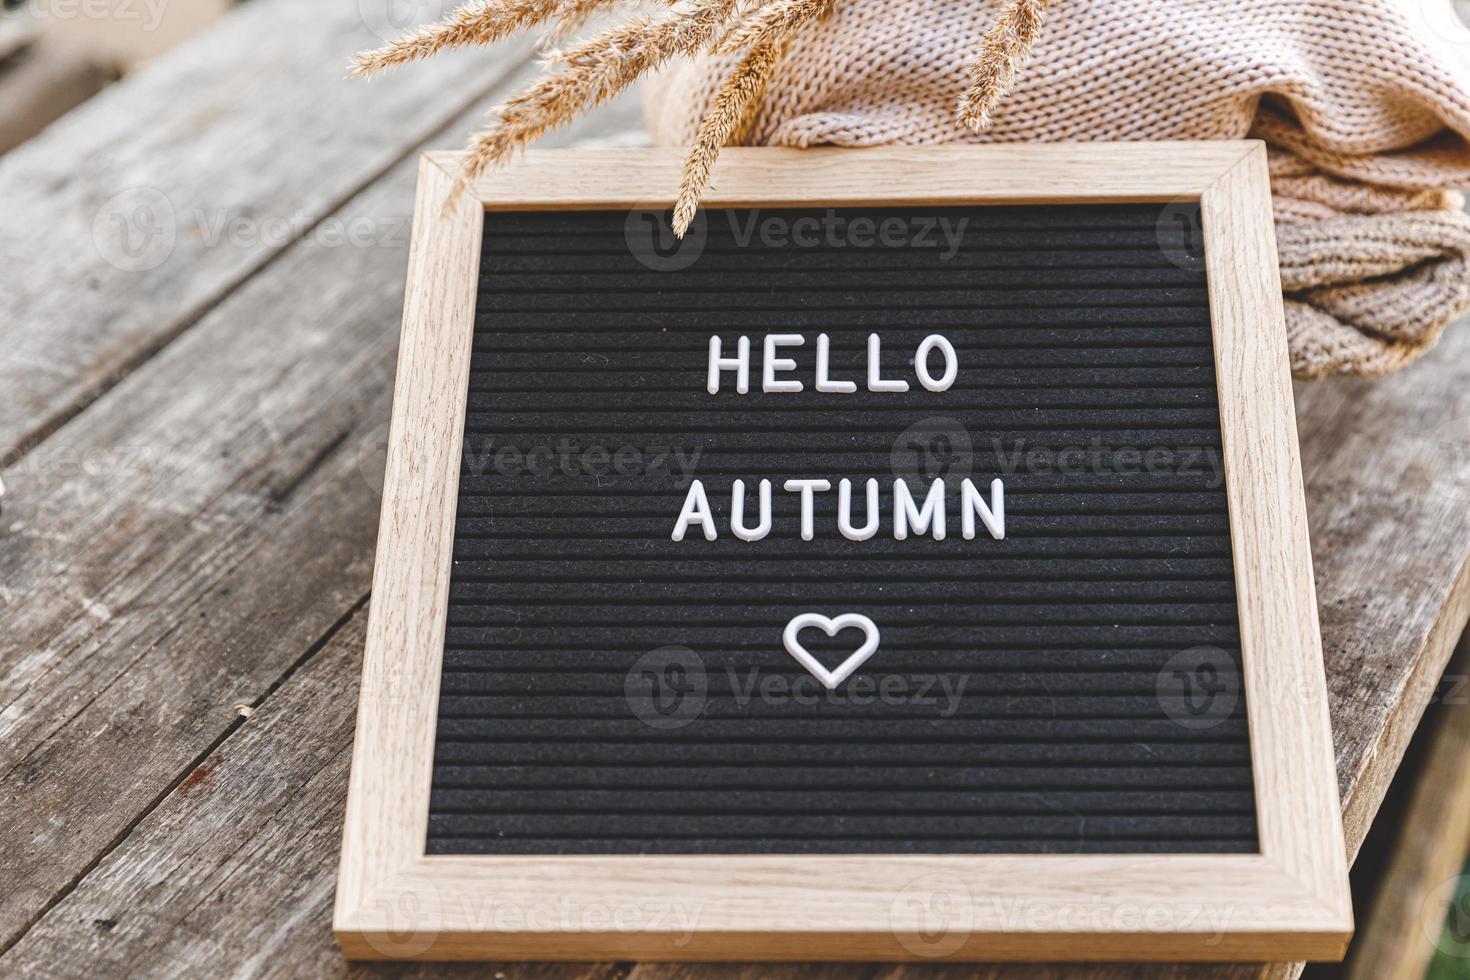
(773, 176)
(387, 814)
(1291, 743)
(1396, 942)
(235, 866)
(162, 195)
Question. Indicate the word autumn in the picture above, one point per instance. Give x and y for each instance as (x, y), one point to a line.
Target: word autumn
(910, 516)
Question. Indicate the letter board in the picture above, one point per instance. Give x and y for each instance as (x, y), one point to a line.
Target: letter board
(912, 544)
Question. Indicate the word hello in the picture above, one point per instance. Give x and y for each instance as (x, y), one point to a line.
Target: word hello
(773, 364)
(909, 515)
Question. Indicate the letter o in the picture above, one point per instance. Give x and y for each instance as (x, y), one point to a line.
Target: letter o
(921, 363)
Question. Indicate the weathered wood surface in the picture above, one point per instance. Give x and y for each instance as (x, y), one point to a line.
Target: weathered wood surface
(191, 524)
(132, 217)
(1396, 938)
(193, 481)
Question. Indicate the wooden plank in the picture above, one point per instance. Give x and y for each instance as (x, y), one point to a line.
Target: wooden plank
(1397, 940)
(233, 871)
(225, 484)
(169, 189)
(1388, 505)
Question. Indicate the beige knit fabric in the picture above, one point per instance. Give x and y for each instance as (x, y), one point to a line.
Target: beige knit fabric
(1364, 104)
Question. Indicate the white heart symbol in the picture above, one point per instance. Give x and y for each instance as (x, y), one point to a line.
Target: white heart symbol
(831, 678)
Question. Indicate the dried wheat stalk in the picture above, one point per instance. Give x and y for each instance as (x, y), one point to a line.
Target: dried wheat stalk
(573, 15)
(733, 105)
(1004, 49)
(591, 73)
(594, 70)
(480, 22)
(771, 22)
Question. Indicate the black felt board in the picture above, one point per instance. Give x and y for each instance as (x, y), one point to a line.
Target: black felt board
(596, 693)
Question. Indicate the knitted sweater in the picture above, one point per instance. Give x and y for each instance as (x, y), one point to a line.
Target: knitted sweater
(1363, 103)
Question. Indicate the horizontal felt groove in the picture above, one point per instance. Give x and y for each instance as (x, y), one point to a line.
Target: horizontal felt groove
(572, 263)
(732, 417)
(876, 318)
(672, 754)
(499, 224)
(717, 593)
(957, 400)
(854, 358)
(716, 573)
(913, 677)
(1133, 459)
(775, 282)
(990, 432)
(820, 730)
(725, 248)
(1081, 376)
(541, 824)
(557, 664)
(785, 845)
(800, 705)
(713, 575)
(835, 549)
(916, 781)
(1042, 360)
(1060, 525)
(794, 799)
(1141, 245)
(621, 508)
(476, 612)
(1177, 636)
(1109, 480)
(1139, 465)
(922, 295)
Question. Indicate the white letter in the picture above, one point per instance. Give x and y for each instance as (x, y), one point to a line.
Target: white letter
(951, 363)
(806, 487)
(994, 516)
(844, 512)
(696, 510)
(737, 514)
(876, 383)
(906, 515)
(739, 364)
(774, 363)
(823, 382)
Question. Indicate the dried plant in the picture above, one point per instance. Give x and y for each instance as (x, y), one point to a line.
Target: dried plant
(479, 22)
(771, 22)
(1005, 48)
(594, 70)
(591, 73)
(572, 16)
(733, 106)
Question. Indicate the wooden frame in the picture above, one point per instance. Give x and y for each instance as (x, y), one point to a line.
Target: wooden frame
(1290, 901)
